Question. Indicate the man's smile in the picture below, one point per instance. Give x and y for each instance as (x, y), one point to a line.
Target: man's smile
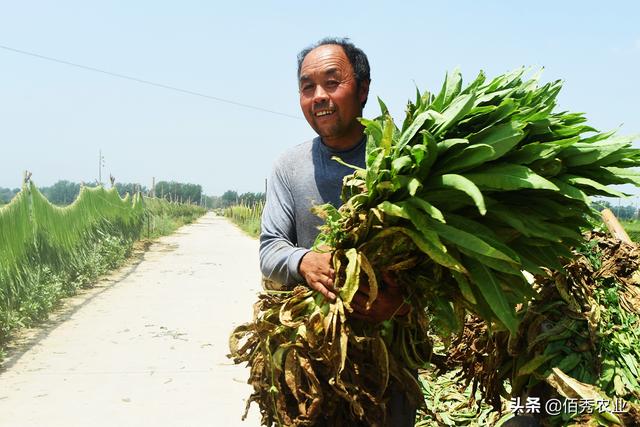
(321, 113)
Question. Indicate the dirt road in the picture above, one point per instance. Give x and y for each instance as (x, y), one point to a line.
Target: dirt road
(147, 346)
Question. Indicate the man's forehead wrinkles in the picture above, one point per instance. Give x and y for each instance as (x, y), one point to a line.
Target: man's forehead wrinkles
(313, 71)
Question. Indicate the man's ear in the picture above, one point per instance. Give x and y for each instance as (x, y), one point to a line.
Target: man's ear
(363, 92)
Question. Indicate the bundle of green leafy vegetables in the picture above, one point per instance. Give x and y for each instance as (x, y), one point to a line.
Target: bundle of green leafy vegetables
(477, 185)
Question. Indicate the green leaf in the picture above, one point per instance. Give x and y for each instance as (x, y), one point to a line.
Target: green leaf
(510, 177)
(570, 191)
(493, 97)
(507, 80)
(469, 157)
(569, 362)
(468, 241)
(461, 183)
(374, 164)
(502, 138)
(628, 175)
(428, 243)
(393, 209)
(414, 127)
(343, 163)
(590, 185)
(617, 156)
(429, 143)
(401, 164)
(418, 153)
(460, 106)
(427, 207)
(414, 186)
(580, 153)
(533, 364)
(387, 134)
(447, 144)
(373, 129)
(450, 89)
(533, 225)
(494, 263)
(486, 117)
(534, 257)
(547, 167)
(482, 231)
(464, 286)
(473, 86)
(383, 107)
(490, 289)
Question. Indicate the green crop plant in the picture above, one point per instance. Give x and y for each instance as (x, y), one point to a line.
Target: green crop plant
(45, 244)
(584, 322)
(163, 217)
(247, 217)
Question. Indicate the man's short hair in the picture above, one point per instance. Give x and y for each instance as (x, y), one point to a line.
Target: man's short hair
(356, 56)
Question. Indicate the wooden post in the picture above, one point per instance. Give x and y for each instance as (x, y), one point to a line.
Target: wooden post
(614, 226)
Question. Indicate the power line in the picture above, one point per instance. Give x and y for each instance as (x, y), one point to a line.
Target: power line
(148, 82)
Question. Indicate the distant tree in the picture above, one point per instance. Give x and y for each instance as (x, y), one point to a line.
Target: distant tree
(600, 205)
(6, 194)
(251, 199)
(129, 187)
(62, 192)
(229, 198)
(622, 212)
(178, 191)
(212, 202)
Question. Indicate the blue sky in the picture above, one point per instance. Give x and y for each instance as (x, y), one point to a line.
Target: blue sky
(55, 118)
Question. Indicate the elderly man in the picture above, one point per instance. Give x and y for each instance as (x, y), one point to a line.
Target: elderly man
(333, 79)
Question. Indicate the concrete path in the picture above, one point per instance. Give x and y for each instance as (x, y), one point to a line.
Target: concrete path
(147, 346)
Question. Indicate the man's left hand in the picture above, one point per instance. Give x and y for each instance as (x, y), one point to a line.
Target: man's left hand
(389, 302)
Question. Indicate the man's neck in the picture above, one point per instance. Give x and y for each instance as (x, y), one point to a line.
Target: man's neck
(345, 142)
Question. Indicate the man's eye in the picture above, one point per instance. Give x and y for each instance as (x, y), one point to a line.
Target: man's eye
(332, 83)
(306, 88)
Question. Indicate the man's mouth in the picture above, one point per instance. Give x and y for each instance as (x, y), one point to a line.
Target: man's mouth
(321, 113)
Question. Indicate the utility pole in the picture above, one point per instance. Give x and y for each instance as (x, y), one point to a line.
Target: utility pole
(100, 166)
(153, 187)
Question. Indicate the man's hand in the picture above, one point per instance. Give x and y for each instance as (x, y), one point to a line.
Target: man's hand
(316, 269)
(389, 303)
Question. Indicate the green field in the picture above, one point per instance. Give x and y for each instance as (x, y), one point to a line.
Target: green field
(633, 229)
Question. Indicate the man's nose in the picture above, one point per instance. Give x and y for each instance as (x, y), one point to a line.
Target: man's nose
(320, 95)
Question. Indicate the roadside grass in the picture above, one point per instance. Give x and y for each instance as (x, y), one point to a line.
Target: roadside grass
(246, 217)
(163, 218)
(632, 227)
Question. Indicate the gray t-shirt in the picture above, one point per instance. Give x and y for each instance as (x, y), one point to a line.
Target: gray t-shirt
(303, 177)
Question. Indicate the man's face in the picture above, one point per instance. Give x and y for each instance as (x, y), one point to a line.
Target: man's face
(329, 95)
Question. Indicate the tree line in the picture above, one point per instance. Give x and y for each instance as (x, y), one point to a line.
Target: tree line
(231, 197)
(64, 192)
(622, 212)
